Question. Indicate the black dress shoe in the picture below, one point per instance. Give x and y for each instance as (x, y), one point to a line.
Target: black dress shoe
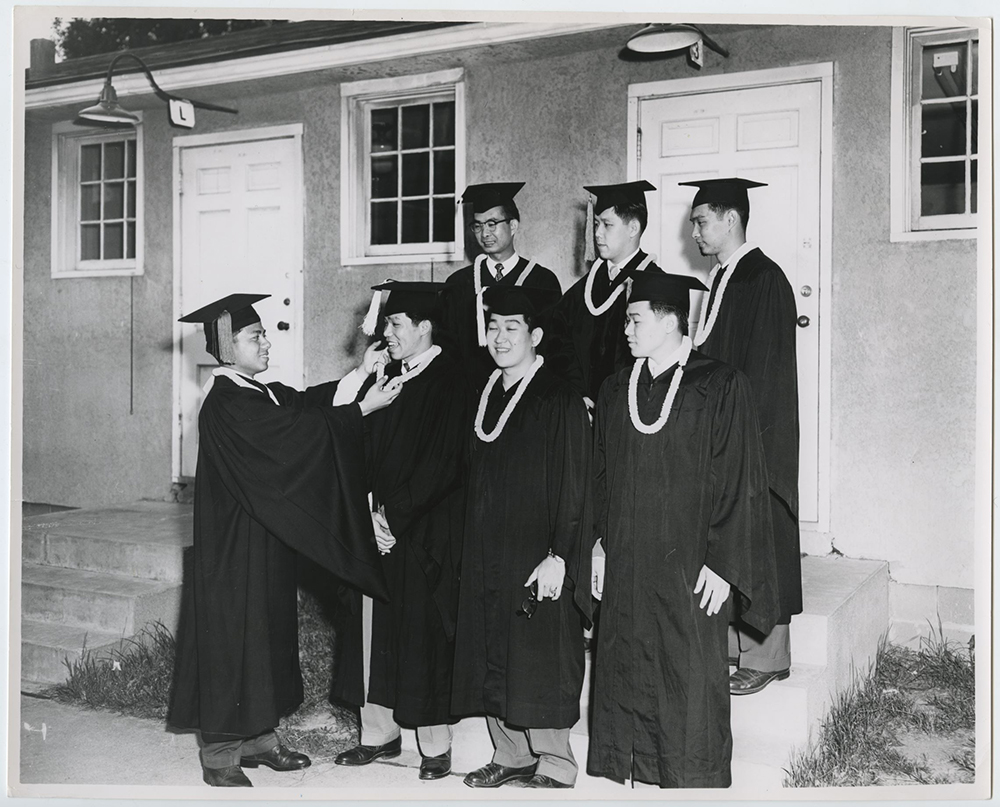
(363, 754)
(494, 775)
(278, 758)
(436, 767)
(541, 780)
(746, 681)
(232, 776)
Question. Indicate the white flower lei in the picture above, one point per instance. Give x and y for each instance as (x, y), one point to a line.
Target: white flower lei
(588, 289)
(675, 383)
(477, 281)
(511, 404)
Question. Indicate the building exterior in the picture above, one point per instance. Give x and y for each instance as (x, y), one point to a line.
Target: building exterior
(366, 132)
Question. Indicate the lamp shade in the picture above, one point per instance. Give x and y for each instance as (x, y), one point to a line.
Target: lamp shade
(664, 38)
(107, 109)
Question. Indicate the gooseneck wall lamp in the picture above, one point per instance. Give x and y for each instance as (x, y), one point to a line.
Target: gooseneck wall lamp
(107, 109)
(661, 38)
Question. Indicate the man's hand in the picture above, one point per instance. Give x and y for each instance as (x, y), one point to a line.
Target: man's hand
(550, 574)
(383, 536)
(374, 358)
(597, 577)
(716, 591)
(381, 394)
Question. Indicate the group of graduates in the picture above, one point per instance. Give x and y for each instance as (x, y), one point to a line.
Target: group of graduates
(508, 467)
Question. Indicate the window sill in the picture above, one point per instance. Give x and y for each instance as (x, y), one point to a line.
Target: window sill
(130, 272)
(374, 260)
(933, 235)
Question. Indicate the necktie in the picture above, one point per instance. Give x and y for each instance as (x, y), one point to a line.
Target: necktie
(612, 271)
(499, 271)
(406, 367)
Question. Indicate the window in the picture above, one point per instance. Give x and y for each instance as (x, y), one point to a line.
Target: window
(97, 202)
(935, 133)
(403, 169)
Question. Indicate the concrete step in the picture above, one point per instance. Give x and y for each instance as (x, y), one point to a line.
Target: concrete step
(789, 710)
(46, 647)
(144, 540)
(97, 601)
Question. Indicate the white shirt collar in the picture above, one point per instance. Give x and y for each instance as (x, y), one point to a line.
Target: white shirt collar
(509, 265)
(419, 359)
(670, 361)
(619, 265)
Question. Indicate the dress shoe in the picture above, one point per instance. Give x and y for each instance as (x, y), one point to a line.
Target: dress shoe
(363, 754)
(278, 758)
(494, 775)
(746, 681)
(436, 767)
(541, 780)
(232, 776)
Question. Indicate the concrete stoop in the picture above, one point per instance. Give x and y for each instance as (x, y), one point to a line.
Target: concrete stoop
(835, 639)
(93, 578)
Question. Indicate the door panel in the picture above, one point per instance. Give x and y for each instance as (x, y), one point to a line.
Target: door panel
(241, 231)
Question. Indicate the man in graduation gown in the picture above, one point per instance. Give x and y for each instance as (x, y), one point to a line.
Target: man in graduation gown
(749, 322)
(278, 474)
(682, 512)
(592, 311)
(418, 451)
(495, 223)
(525, 593)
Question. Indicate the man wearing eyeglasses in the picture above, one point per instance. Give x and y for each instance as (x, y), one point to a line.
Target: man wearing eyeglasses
(524, 596)
(496, 220)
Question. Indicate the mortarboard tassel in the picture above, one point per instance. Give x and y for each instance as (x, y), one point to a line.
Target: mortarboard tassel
(371, 318)
(224, 334)
(589, 253)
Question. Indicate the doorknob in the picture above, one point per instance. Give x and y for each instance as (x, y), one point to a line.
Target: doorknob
(805, 291)
(803, 322)
(284, 326)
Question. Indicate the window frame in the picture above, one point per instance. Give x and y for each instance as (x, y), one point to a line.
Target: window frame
(356, 98)
(905, 148)
(67, 140)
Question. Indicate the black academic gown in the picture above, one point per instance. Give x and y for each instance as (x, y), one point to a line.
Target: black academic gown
(756, 332)
(460, 311)
(418, 454)
(271, 481)
(693, 494)
(596, 345)
(528, 492)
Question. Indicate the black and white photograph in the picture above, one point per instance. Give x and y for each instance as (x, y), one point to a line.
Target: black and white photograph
(452, 405)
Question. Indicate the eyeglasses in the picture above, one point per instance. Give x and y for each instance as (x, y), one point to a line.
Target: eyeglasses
(489, 225)
(530, 603)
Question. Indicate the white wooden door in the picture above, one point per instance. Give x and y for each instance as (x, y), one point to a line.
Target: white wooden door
(240, 218)
(769, 134)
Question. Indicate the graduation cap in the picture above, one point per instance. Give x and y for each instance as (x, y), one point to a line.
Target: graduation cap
(660, 287)
(624, 193)
(529, 301)
(728, 191)
(222, 319)
(491, 194)
(419, 298)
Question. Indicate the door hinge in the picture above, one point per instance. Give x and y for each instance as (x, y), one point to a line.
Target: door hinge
(638, 146)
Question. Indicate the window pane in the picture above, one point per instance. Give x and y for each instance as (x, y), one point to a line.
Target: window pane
(975, 185)
(416, 174)
(944, 130)
(113, 241)
(444, 124)
(114, 160)
(384, 179)
(131, 200)
(384, 129)
(130, 161)
(130, 240)
(444, 219)
(415, 221)
(975, 127)
(90, 163)
(975, 68)
(90, 202)
(444, 171)
(114, 200)
(942, 188)
(416, 126)
(946, 79)
(383, 222)
(90, 242)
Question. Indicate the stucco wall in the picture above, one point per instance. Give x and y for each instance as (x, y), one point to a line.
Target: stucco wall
(903, 315)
